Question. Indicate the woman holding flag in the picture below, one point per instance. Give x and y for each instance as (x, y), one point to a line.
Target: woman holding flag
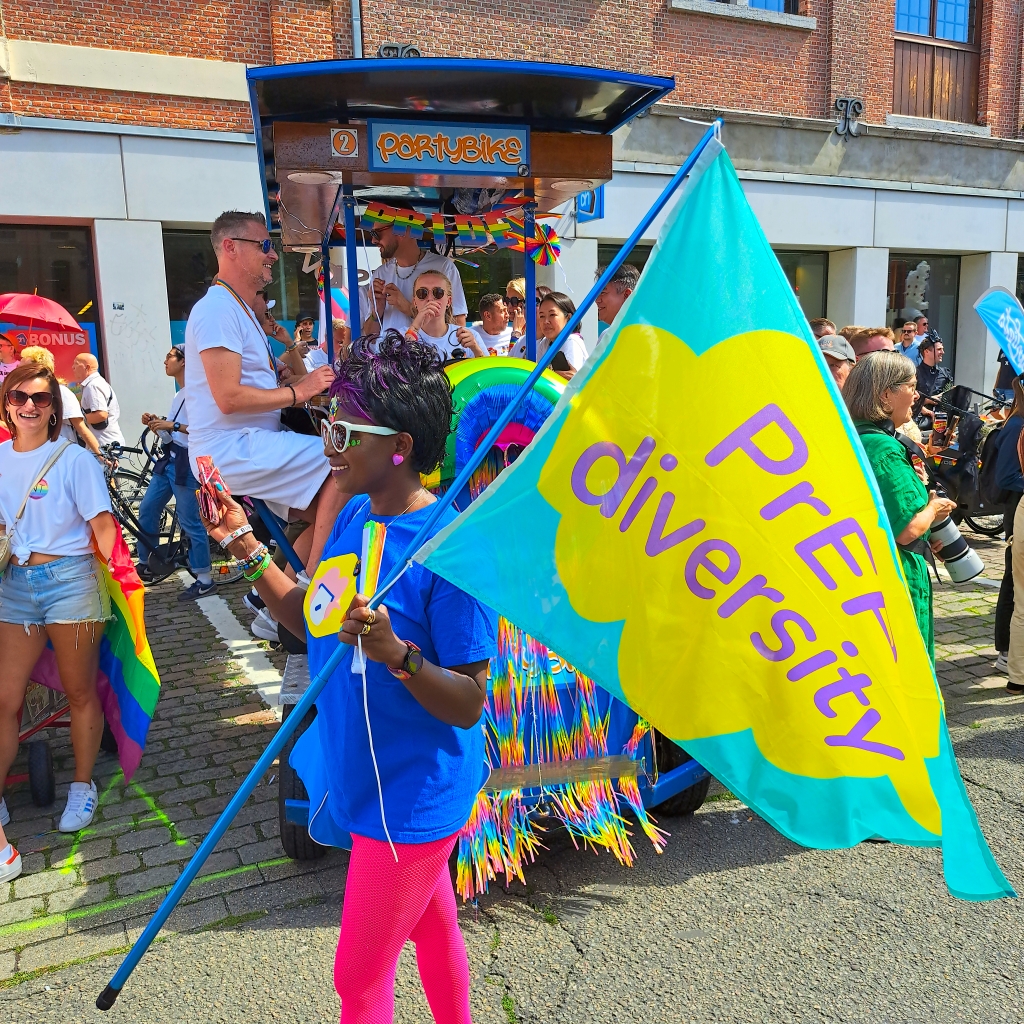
(397, 757)
(54, 508)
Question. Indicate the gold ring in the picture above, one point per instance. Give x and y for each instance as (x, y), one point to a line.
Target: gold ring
(364, 630)
(373, 617)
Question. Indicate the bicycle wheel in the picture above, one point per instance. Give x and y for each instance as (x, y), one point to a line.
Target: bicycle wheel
(987, 526)
(131, 487)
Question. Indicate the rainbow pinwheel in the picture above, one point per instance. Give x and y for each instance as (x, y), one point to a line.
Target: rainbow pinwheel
(545, 245)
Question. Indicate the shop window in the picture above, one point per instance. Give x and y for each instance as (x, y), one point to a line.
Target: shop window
(929, 285)
(56, 262)
(807, 273)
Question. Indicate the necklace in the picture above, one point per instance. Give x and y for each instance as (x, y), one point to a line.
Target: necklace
(411, 269)
(415, 498)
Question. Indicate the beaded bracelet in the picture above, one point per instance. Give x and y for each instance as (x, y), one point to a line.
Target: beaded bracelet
(240, 532)
(254, 558)
(260, 569)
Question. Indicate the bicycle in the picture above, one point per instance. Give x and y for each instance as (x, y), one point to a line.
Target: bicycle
(127, 488)
(170, 545)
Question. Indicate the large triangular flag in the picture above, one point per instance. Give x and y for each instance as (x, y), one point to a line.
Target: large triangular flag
(697, 528)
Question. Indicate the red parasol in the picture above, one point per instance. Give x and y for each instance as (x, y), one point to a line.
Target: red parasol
(35, 311)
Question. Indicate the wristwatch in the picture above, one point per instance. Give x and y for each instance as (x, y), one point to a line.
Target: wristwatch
(175, 427)
(411, 664)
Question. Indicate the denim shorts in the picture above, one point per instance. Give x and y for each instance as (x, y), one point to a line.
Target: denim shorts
(66, 590)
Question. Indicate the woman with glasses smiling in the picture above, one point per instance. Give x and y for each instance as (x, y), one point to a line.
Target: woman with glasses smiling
(55, 509)
(396, 756)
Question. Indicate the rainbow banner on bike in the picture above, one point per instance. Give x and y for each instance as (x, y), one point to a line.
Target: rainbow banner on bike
(128, 684)
(696, 527)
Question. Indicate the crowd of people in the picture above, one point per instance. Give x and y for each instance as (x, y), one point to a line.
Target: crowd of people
(389, 411)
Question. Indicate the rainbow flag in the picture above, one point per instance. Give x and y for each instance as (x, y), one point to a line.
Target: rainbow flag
(705, 539)
(128, 684)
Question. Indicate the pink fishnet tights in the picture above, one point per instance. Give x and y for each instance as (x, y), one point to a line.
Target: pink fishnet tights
(386, 904)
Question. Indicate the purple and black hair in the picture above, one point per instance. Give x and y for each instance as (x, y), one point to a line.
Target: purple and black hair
(398, 383)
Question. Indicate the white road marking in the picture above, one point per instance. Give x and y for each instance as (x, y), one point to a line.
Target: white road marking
(244, 648)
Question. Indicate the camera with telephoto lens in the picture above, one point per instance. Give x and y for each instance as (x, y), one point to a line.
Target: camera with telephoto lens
(962, 562)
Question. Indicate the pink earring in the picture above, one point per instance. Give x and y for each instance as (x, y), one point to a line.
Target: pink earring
(397, 459)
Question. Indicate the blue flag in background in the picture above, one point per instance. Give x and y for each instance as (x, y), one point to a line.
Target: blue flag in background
(1003, 315)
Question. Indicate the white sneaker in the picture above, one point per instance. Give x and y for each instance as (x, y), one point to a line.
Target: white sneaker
(82, 802)
(5, 815)
(264, 626)
(11, 867)
(999, 666)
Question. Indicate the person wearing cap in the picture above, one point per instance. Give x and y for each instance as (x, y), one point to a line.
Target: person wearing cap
(932, 379)
(839, 355)
(872, 339)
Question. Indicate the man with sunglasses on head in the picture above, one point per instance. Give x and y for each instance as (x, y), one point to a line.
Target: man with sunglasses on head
(387, 303)
(235, 395)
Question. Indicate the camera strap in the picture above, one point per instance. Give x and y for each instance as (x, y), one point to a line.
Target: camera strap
(910, 449)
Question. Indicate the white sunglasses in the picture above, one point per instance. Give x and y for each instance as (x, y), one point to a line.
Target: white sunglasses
(340, 432)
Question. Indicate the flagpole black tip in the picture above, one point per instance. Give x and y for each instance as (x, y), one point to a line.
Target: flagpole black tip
(107, 998)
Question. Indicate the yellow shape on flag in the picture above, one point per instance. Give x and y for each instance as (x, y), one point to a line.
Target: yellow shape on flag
(741, 547)
(329, 594)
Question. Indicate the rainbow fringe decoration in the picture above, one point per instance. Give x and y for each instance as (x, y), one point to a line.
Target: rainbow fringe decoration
(127, 683)
(525, 724)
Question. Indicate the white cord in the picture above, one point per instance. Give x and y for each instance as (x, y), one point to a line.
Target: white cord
(366, 714)
(373, 756)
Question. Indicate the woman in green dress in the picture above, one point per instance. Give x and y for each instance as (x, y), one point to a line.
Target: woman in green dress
(879, 392)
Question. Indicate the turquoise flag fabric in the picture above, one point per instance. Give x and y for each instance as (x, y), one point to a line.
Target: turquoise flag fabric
(696, 527)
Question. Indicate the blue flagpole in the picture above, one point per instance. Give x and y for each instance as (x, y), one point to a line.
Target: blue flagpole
(107, 997)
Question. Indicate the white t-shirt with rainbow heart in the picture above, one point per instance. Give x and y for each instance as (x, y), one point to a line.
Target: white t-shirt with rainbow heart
(57, 514)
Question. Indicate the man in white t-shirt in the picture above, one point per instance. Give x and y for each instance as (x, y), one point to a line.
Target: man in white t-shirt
(99, 403)
(235, 400)
(494, 332)
(391, 284)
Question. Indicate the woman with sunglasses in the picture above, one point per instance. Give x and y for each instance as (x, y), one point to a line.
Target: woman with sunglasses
(51, 590)
(427, 650)
(431, 322)
(515, 299)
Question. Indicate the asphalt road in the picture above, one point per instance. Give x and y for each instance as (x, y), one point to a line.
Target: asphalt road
(732, 923)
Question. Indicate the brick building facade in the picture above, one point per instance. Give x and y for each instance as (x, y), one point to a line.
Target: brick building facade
(128, 127)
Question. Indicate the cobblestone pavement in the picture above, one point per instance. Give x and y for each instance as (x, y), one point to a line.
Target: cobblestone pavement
(731, 923)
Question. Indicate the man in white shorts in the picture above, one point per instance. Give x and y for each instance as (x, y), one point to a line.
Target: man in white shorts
(235, 401)
(391, 284)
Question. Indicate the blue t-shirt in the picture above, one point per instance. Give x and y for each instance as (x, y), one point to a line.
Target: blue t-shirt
(430, 772)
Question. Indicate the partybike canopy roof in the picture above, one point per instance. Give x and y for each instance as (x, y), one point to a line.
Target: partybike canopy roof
(414, 132)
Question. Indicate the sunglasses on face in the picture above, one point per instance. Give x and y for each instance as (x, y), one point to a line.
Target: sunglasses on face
(513, 300)
(377, 234)
(265, 245)
(340, 433)
(438, 293)
(40, 399)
